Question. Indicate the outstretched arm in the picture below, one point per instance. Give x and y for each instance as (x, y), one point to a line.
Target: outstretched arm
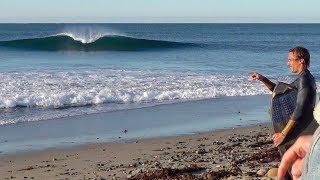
(256, 76)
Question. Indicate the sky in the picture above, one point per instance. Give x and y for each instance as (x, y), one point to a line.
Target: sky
(154, 11)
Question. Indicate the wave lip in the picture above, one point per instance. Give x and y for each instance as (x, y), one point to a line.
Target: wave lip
(68, 42)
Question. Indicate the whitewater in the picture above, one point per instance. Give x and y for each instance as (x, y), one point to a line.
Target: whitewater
(57, 89)
(50, 71)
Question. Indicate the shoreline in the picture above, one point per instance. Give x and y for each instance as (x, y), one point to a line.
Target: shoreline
(196, 155)
(148, 122)
(132, 140)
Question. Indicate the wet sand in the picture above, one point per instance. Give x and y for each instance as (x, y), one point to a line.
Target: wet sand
(237, 153)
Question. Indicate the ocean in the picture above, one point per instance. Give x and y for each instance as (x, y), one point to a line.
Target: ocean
(62, 71)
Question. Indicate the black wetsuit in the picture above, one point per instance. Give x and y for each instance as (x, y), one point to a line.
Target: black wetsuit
(303, 111)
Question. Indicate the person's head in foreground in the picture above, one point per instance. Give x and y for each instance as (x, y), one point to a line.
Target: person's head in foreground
(298, 59)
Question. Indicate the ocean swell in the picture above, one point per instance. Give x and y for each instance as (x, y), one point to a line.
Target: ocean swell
(70, 42)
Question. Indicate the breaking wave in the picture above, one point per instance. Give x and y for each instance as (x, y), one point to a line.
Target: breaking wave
(70, 42)
(59, 89)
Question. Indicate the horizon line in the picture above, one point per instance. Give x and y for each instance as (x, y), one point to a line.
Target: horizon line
(191, 22)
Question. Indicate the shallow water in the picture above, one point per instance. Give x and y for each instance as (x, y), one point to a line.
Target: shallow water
(154, 121)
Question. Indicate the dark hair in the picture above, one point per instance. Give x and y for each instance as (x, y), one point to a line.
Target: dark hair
(301, 53)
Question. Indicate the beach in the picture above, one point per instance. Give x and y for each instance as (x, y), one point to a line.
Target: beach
(204, 139)
(197, 138)
(232, 153)
(147, 122)
(141, 101)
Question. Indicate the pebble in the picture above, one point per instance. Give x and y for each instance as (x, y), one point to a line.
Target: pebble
(208, 176)
(232, 178)
(200, 151)
(272, 173)
(129, 176)
(266, 178)
(135, 172)
(246, 178)
(262, 171)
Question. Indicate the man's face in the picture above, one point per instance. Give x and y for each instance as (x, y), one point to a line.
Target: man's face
(295, 64)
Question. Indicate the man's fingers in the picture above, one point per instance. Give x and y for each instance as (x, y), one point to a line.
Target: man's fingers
(254, 75)
(297, 166)
(276, 140)
(287, 160)
(273, 136)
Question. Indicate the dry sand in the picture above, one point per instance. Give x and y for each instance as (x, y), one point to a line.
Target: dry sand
(241, 153)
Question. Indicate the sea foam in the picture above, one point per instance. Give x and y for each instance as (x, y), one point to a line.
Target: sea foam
(45, 95)
(58, 89)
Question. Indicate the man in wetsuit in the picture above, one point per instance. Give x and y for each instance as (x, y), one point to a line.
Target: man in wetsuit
(301, 121)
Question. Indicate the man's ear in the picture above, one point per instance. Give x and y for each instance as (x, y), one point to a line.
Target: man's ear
(302, 61)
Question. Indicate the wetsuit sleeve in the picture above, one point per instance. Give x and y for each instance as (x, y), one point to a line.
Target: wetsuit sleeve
(269, 83)
(303, 101)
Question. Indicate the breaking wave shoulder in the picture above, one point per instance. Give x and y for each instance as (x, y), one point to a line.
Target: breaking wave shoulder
(70, 42)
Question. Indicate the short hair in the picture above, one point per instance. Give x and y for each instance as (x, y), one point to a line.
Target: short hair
(301, 53)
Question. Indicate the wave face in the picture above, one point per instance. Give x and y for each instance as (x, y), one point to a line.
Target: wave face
(69, 42)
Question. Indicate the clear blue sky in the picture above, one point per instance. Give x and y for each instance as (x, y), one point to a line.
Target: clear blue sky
(159, 11)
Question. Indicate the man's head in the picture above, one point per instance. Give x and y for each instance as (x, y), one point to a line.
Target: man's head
(298, 59)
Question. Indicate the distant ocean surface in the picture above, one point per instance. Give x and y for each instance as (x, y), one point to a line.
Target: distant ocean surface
(49, 71)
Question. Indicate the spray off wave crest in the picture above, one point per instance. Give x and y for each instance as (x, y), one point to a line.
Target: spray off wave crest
(95, 42)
